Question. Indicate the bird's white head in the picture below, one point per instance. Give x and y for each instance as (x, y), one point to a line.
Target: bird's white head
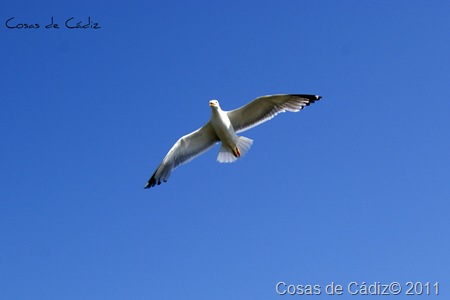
(214, 104)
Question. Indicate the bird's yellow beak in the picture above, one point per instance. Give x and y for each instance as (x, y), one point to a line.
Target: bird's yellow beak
(211, 103)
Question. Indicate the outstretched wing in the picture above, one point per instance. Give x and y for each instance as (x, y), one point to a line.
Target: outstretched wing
(185, 149)
(265, 108)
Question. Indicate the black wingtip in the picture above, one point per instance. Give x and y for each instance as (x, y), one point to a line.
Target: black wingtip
(312, 98)
(151, 182)
(149, 185)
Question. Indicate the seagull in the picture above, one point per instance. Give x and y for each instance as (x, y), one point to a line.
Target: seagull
(224, 127)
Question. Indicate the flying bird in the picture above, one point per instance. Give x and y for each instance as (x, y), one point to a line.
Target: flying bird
(224, 127)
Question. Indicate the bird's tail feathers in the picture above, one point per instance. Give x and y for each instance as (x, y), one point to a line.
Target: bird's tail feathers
(226, 155)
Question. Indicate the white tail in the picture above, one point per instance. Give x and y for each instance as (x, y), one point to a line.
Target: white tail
(226, 154)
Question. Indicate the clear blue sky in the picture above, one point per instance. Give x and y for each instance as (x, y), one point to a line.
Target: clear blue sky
(353, 188)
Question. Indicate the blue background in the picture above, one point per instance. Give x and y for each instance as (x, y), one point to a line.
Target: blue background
(353, 188)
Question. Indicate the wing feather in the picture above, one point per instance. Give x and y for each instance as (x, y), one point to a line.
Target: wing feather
(265, 108)
(183, 151)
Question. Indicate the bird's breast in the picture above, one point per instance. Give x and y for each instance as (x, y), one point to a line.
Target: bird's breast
(223, 127)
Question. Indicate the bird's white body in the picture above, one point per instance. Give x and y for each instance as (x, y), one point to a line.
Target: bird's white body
(224, 127)
(233, 146)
